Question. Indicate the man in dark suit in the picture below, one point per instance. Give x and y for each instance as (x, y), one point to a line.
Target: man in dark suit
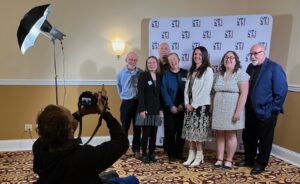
(267, 92)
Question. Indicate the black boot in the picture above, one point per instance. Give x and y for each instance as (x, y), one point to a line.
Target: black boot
(152, 158)
(145, 158)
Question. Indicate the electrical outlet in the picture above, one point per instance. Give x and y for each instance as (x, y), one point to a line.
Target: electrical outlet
(28, 127)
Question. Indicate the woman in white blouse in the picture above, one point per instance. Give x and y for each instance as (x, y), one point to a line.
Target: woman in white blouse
(196, 128)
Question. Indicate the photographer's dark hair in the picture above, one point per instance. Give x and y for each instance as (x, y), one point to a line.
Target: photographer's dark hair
(54, 126)
(204, 65)
(222, 68)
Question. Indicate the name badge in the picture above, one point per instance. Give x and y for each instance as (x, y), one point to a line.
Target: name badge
(183, 79)
(149, 83)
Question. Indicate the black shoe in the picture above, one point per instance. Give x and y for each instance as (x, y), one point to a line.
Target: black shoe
(145, 159)
(257, 170)
(172, 159)
(180, 157)
(137, 155)
(152, 158)
(244, 164)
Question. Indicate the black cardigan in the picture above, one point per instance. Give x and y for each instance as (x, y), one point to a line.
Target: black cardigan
(149, 94)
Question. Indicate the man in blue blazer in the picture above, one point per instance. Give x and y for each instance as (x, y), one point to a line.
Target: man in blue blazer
(267, 91)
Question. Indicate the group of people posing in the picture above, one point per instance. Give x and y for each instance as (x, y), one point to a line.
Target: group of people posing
(193, 103)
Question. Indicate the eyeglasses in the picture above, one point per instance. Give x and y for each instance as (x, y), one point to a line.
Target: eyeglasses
(255, 53)
(229, 58)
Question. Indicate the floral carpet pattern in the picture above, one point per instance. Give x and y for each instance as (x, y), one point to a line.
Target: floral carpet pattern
(16, 167)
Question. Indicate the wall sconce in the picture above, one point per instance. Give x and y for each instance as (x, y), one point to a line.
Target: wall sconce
(118, 47)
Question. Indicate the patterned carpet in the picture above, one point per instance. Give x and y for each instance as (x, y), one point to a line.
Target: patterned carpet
(16, 167)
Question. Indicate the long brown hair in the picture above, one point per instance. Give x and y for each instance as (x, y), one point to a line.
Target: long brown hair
(204, 65)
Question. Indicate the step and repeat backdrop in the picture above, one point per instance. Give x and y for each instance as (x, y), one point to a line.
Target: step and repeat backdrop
(217, 33)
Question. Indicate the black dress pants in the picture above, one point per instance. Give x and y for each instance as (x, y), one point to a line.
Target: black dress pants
(128, 111)
(258, 135)
(173, 125)
(148, 140)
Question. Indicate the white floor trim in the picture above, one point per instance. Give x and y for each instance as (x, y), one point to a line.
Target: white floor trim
(26, 144)
(286, 155)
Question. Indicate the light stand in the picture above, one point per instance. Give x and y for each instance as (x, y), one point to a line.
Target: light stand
(55, 77)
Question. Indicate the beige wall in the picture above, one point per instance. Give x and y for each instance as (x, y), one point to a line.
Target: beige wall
(288, 126)
(90, 27)
(21, 104)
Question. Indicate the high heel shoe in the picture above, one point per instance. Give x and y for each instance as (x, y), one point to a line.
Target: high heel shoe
(227, 164)
(218, 164)
(198, 160)
(191, 158)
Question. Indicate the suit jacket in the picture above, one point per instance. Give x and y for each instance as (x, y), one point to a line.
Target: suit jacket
(269, 91)
(148, 94)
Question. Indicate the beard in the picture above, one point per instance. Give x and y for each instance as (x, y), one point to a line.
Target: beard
(254, 62)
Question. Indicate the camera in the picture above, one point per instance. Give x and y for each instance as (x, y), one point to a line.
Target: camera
(88, 99)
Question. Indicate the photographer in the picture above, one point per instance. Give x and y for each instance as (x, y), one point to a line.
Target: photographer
(58, 156)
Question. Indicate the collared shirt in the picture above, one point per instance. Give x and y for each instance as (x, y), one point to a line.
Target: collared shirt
(127, 83)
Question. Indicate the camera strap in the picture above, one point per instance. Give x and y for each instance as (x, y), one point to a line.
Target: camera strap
(96, 129)
(98, 125)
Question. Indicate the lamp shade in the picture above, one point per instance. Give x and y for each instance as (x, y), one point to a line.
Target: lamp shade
(30, 26)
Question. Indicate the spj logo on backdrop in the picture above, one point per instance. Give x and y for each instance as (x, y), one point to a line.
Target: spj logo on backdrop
(165, 35)
(185, 57)
(228, 33)
(218, 22)
(154, 45)
(196, 23)
(195, 44)
(155, 24)
(175, 46)
(215, 68)
(241, 21)
(239, 46)
(206, 34)
(185, 34)
(175, 23)
(252, 33)
(217, 45)
(264, 20)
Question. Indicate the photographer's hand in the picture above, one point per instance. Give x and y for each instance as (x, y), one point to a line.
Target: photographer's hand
(88, 110)
(102, 101)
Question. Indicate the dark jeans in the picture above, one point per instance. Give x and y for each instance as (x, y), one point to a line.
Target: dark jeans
(149, 135)
(173, 125)
(128, 114)
(258, 135)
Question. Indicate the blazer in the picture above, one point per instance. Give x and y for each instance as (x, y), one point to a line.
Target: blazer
(201, 89)
(148, 94)
(269, 91)
(169, 87)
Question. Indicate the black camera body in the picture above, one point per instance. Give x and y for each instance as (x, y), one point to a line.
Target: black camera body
(88, 99)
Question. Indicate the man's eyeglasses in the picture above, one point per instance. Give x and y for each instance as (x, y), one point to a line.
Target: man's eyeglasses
(255, 53)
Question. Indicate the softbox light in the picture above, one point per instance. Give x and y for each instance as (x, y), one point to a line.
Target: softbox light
(33, 23)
